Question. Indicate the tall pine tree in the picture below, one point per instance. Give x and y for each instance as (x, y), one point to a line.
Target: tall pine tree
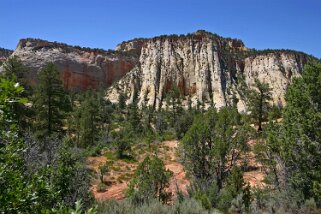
(50, 102)
(14, 69)
(258, 102)
(89, 130)
(301, 147)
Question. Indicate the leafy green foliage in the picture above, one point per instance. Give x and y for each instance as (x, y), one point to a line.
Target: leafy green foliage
(268, 153)
(284, 201)
(14, 70)
(206, 192)
(15, 193)
(10, 96)
(101, 187)
(35, 176)
(70, 176)
(89, 123)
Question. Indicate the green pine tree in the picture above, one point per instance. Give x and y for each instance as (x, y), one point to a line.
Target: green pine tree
(214, 143)
(50, 102)
(233, 187)
(258, 102)
(150, 181)
(89, 129)
(173, 100)
(134, 117)
(122, 101)
(300, 147)
(14, 69)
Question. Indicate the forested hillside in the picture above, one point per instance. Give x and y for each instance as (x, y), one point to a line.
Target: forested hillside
(50, 139)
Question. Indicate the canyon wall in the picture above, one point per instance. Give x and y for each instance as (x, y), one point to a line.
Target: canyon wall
(206, 69)
(80, 68)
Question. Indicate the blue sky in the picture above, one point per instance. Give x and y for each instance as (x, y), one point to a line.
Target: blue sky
(291, 24)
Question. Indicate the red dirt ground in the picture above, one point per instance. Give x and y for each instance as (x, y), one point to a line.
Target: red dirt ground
(167, 151)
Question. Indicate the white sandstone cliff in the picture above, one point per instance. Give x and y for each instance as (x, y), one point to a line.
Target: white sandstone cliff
(206, 68)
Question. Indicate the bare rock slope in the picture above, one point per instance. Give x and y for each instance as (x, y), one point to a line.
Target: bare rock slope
(206, 68)
(80, 68)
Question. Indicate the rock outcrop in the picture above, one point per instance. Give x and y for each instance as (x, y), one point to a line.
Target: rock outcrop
(206, 68)
(4, 54)
(134, 45)
(80, 68)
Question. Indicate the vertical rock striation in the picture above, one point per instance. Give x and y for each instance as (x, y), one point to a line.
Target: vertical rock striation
(206, 67)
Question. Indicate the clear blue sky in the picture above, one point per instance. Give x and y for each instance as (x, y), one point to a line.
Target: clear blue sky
(292, 24)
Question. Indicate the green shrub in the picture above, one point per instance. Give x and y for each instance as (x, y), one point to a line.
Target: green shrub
(150, 181)
(233, 188)
(101, 187)
(203, 199)
(309, 206)
(187, 206)
(102, 170)
(110, 155)
(114, 207)
(169, 135)
(275, 112)
(284, 201)
(94, 151)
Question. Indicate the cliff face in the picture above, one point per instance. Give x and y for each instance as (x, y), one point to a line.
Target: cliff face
(80, 68)
(277, 69)
(4, 54)
(206, 68)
